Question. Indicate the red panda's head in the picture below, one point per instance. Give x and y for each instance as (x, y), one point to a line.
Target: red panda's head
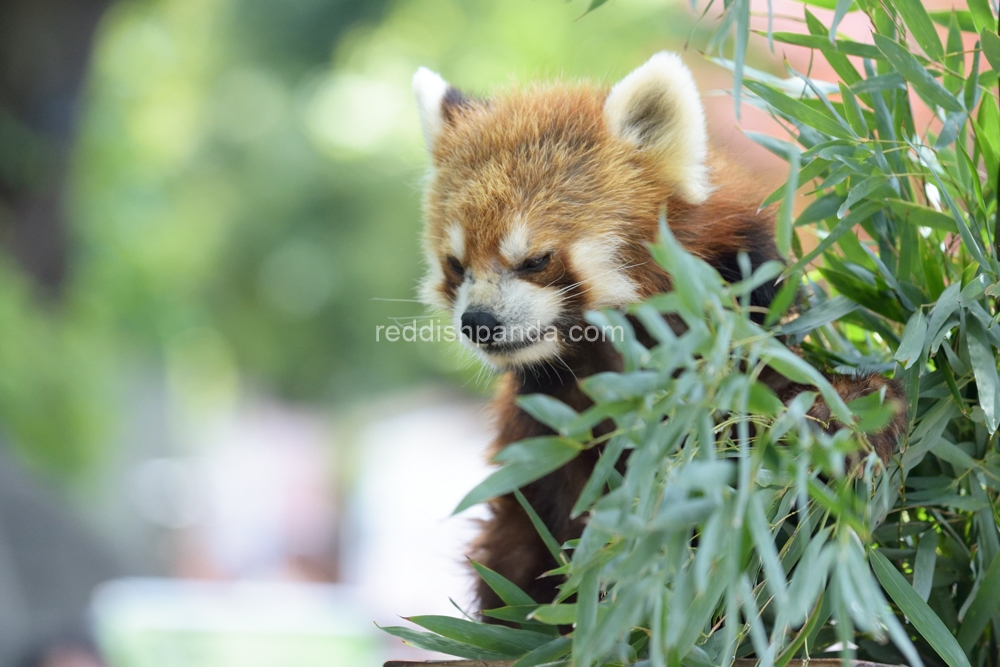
(541, 201)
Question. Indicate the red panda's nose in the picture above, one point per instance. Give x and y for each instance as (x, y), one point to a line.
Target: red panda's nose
(479, 326)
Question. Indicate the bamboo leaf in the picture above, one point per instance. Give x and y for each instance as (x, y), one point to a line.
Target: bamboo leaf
(838, 14)
(526, 461)
(990, 43)
(555, 614)
(972, 243)
(982, 15)
(838, 61)
(594, 4)
(506, 590)
(817, 316)
(433, 642)
(880, 83)
(985, 606)
(872, 414)
(553, 413)
(988, 135)
(783, 300)
(921, 80)
(826, 45)
(922, 215)
(760, 532)
(799, 111)
(547, 653)
(921, 616)
(742, 38)
(965, 20)
(853, 111)
(494, 638)
(879, 301)
(783, 226)
(599, 477)
(543, 531)
(984, 366)
(951, 453)
(811, 170)
(954, 58)
(971, 92)
(825, 4)
(517, 614)
(782, 149)
(912, 345)
(856, 216)
(820, 209)
(859, 191)
(921, 27)
(923, 567)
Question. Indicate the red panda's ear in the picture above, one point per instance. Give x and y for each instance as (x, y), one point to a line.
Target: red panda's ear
(437, 102)
(657, 109)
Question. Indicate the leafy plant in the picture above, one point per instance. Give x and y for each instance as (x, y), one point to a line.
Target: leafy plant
(734, 530)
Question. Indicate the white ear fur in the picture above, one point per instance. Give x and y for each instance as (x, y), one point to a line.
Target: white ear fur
(430, 90)
(657, 108)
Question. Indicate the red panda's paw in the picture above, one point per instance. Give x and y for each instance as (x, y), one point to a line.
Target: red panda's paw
(884, 441)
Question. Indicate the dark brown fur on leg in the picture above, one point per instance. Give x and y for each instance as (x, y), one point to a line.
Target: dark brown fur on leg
(851, 387)
(509, 544)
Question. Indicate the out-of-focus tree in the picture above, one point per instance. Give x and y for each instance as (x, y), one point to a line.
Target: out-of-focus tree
(62, 346)
(47, 398)
(44, 50)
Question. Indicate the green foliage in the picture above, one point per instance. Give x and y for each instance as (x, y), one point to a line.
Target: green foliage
(203, 201)
(206, 235)
(734, 531)
(55, 393)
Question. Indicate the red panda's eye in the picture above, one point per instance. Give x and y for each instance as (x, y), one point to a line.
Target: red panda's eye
(535, 264)
(456, 266)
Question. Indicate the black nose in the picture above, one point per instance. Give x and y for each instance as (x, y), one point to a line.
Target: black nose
(479, 326)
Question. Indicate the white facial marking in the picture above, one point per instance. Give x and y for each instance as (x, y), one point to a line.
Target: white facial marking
(516, 243)
(527, 313)
(430, 293)
(543, 350)
(600, 269)
(456, 241)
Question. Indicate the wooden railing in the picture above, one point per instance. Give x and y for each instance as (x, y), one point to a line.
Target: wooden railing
(823, 662)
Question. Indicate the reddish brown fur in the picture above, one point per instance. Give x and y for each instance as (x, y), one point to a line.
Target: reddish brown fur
(546, 155)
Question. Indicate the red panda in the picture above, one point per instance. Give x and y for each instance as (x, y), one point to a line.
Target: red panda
(539, 207)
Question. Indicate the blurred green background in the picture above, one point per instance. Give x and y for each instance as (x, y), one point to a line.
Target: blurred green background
(241, 186)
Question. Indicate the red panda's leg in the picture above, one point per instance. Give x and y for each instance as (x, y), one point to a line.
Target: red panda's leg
(850, 387)
(886, 441)
(509, 545)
